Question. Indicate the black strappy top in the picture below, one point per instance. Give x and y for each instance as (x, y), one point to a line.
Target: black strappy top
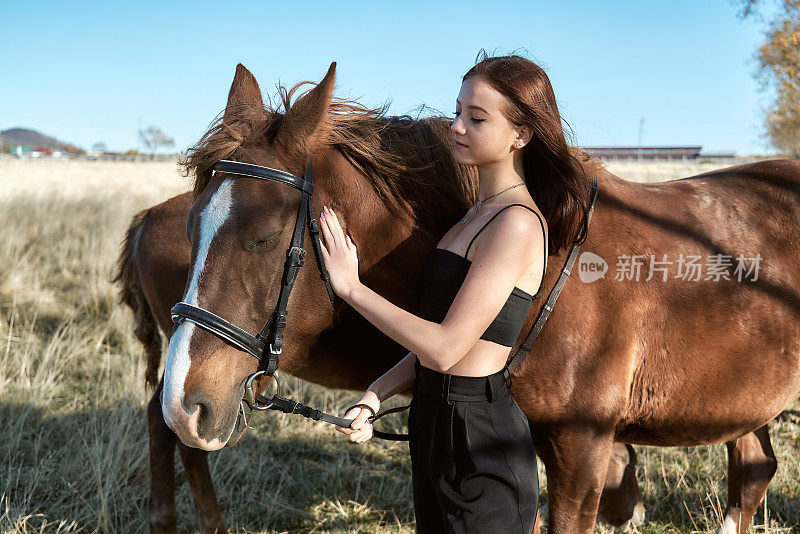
(444, 272)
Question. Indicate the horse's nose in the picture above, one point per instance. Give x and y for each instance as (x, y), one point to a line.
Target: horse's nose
(193, 421)
(199, 408)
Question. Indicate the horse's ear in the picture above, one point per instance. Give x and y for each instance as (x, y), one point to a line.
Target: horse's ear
(244, 92)
(305, 123)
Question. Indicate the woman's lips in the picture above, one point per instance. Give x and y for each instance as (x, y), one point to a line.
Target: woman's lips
(459, 144)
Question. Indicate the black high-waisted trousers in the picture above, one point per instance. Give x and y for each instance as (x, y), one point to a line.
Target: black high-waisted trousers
(472, 458)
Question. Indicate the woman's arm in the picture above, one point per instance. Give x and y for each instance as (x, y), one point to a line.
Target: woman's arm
(508, 247)
(397, 379)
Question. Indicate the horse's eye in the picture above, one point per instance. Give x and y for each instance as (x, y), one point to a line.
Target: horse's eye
(256, 243)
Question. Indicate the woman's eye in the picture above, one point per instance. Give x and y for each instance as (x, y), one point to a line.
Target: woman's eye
(473, 119)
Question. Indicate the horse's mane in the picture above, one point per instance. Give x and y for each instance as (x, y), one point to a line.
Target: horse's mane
(408, 161)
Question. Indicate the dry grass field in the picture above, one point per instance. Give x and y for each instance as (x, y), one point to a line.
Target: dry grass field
(73, 438)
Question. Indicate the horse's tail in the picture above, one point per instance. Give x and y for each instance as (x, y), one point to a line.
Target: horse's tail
(132, 295)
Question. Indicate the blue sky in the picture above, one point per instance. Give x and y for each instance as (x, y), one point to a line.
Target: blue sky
(86, 72)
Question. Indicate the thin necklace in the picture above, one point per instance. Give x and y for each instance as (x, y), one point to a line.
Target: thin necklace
(481, 202)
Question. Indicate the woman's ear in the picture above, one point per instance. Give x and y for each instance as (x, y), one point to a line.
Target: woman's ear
(523, 136)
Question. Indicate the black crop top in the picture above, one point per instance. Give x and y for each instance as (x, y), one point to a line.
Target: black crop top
(444, 272)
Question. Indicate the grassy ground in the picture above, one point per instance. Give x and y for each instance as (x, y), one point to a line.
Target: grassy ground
(73, 441)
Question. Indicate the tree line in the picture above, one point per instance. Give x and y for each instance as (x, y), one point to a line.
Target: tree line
(778, 72)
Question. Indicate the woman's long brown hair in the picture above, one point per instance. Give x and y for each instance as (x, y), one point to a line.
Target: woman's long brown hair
(554, 174)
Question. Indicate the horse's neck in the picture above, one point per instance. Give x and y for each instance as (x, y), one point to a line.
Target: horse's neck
(392, 248)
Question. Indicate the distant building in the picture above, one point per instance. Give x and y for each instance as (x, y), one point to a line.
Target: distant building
(721, 156)
(647, 153)
(661, 153)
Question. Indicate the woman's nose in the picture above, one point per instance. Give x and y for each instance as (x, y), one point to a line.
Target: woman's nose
(457, 126)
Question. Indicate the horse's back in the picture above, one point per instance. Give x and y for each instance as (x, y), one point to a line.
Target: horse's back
(163, 254)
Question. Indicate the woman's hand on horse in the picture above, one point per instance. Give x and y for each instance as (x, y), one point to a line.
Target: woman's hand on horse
(339, 253)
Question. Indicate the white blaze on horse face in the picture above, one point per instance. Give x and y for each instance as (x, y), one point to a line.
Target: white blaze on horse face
(176, 368)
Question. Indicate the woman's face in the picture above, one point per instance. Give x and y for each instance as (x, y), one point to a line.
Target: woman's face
(481, 133)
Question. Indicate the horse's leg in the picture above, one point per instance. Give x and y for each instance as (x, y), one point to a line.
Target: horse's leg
(751, 465)
(621, 503)
(576, 459)
(163, 517)
(195, 463)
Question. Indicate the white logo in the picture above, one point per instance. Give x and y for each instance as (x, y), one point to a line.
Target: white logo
(591, 267)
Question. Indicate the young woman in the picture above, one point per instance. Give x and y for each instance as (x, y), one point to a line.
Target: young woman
(473, 462)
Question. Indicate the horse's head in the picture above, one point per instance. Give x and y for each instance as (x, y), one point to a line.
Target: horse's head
(240, 230)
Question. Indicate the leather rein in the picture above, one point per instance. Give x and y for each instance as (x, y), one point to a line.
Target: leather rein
(267, 345)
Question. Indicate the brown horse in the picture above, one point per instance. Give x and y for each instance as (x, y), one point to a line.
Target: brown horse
(152, 271)
(153, 268)
(618, 370)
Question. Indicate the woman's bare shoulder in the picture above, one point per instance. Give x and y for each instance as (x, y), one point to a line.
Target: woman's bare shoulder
(518, 228)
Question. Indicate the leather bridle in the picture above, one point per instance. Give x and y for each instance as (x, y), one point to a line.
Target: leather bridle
(267, 345)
